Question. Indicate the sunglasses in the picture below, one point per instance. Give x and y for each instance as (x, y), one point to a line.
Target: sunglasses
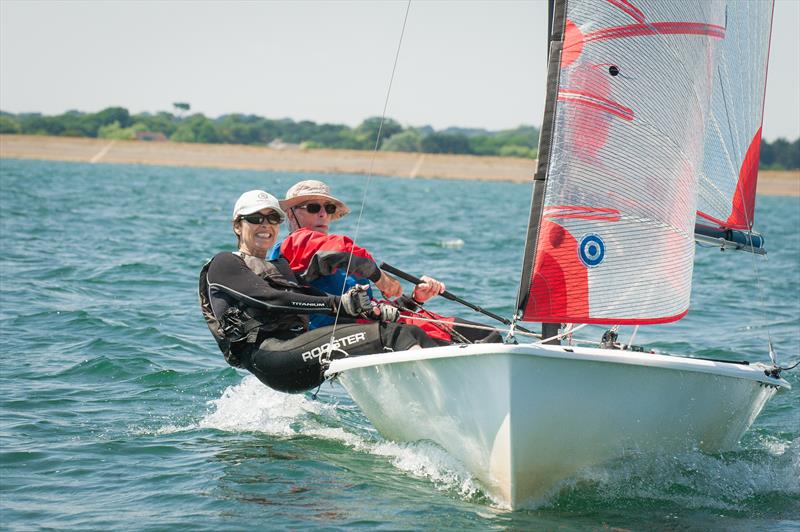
(314, 208)
(257, 218)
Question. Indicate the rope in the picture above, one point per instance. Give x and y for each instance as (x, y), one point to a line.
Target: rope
(788, 368)
(567, 332)
(371, 165)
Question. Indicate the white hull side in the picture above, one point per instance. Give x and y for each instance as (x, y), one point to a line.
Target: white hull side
(523, 418)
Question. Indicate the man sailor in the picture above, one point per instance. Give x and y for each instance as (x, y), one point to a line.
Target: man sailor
(322, 258)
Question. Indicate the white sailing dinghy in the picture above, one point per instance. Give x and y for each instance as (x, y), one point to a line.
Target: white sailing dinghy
(650, 141)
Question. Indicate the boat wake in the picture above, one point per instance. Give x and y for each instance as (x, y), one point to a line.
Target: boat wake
(251, 406)
(733, 482)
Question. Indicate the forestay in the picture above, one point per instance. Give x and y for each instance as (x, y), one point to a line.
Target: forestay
(636, 89)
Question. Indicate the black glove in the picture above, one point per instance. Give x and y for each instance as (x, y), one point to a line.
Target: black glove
(356, 301)
(388, 313)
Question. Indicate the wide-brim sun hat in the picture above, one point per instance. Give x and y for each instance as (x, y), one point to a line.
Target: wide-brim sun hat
(310, 190)
(254, 201)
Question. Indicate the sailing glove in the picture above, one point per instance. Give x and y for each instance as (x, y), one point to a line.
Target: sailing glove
(356, 301)
(388, 313)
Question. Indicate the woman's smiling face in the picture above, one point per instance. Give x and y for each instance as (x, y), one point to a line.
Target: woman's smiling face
(257, 238)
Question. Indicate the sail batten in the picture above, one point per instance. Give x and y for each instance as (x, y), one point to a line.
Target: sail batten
(634, 142)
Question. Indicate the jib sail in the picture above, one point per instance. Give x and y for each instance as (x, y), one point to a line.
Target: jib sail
(727, 184)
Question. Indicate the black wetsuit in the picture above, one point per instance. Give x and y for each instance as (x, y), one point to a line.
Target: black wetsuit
(257, 311)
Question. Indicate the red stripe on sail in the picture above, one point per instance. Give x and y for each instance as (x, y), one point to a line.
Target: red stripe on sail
(656, 28)
(630, 9)
(596, 102)
(744, 199)
(583, 208)
(711, 218)
(577, 216)
(582, 213)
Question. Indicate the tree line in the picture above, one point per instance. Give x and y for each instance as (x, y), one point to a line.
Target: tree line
(118, 123)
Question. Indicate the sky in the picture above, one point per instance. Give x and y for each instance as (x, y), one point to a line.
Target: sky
(461, 63)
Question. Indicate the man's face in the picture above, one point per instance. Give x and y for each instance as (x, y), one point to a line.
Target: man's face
(317, 221)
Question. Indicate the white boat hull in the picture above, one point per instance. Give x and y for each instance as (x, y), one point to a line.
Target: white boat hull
(524, 418)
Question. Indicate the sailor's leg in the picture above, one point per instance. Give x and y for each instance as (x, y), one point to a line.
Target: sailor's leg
(294, 365)
(400, 336)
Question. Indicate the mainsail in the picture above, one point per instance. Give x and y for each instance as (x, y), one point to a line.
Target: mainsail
(637, 89)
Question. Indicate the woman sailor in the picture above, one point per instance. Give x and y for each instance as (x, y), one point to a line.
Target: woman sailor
(257, 309)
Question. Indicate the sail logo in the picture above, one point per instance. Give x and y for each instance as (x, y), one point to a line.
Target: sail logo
(591, 250)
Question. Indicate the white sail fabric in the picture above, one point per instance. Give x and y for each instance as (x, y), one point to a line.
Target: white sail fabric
(614, 243)
(727, 184)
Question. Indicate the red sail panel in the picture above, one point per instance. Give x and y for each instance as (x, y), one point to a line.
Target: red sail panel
(744, 196)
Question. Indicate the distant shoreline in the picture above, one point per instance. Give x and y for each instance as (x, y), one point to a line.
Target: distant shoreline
(325, 161)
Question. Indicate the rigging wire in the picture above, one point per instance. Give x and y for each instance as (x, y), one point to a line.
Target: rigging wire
(788, 368)
(757, 277)
(369, 172)
(749, 216)
(566, 332)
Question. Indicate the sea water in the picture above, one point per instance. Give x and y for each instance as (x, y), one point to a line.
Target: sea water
(118, 411)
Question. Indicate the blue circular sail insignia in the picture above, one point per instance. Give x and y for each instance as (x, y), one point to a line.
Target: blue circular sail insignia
(591, 250)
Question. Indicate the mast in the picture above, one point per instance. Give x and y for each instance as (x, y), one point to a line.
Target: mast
(555, 28)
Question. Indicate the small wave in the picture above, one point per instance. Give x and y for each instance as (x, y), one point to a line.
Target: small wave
(114, 368)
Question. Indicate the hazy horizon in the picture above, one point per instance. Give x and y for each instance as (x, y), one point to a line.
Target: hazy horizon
(477, 65)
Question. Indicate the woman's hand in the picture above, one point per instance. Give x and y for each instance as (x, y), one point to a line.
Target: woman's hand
(428, 288)
(389, 286)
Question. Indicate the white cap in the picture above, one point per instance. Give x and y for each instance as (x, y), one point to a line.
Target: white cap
(254, 201)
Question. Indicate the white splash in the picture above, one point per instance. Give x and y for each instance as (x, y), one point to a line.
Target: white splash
(251, 406)
(451, 243)
(426, 460)
(697, 480)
